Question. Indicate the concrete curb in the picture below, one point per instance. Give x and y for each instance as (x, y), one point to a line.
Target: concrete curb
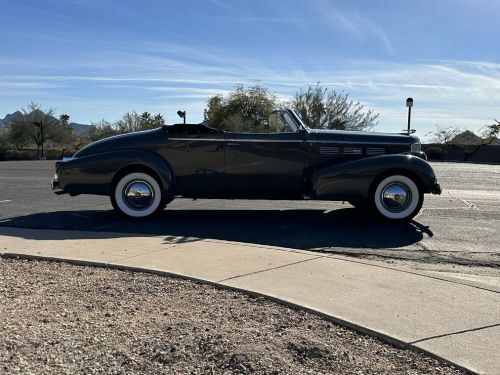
(341, 322)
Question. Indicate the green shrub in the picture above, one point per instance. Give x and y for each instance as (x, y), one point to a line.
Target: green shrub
(436, 153)
(53, 154)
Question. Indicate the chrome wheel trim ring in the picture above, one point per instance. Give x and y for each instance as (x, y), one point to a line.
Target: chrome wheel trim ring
(121, 201)
(138, 195)
(396, 196)
(411, 204)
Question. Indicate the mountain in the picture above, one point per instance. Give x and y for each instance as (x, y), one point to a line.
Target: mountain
(467, 138)
(8, 118)
(79, 128)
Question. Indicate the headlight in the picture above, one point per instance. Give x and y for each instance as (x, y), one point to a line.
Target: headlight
(416, 147)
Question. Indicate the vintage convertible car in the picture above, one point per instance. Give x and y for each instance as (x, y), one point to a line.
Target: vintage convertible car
(144, 171)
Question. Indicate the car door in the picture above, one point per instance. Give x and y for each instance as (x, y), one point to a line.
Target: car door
(196, 155)
(266, 164)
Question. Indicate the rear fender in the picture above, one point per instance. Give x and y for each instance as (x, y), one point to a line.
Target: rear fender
(353, 179)
(94, 174)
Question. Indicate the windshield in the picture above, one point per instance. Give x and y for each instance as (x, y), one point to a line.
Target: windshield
(289, 124)
(297, 118)
(282, 122)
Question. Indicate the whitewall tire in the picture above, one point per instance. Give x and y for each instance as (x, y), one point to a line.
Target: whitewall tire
(397, 198)
(137, 195)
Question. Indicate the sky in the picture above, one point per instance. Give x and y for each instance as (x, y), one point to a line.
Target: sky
(95, 59)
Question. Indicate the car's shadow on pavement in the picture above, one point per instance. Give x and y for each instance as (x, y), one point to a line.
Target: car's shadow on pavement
(292, 228)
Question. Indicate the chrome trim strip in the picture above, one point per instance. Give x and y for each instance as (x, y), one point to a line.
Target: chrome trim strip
(340, 143)
(361, 143)
(238, 140)
(197, 139)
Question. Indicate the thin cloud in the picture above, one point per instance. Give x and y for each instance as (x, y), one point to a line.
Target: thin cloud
(363, 28)
(453, 92)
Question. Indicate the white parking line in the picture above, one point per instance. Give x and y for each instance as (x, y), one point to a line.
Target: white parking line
(5, 201)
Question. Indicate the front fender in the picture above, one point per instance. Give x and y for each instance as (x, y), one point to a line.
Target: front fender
(353, 179)
(94, 174)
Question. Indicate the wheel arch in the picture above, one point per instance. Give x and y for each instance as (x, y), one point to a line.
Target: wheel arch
(355, 179)
(97, 173)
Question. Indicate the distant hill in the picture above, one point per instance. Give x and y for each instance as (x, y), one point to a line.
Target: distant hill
(9, 117)
(469, 138)
(79, 128)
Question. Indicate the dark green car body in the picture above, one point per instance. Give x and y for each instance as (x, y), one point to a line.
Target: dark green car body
(196, 161)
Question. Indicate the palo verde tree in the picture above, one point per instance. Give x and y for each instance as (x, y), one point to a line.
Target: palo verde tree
(243, 110)
(322, 108)
(101, 129)
(490, 134)
(147, 121)
(444, 135)
(453, 135)
(133, 122)
(130, 122)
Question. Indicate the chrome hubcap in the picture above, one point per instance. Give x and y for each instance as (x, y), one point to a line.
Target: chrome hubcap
(138, 195)
(396, 196)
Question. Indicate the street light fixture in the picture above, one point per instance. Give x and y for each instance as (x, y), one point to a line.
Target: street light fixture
(182, 114)
(409, 104)
(39, 124)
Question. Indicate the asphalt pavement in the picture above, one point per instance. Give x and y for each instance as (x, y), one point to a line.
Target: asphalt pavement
(456, 234)
(432, 284)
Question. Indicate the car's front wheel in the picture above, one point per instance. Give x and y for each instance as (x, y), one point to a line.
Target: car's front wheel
(397, 198)
(137, 195)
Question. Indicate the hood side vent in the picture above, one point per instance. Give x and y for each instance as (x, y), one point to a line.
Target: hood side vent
(353, 151)
(329, 150)
(374, 151)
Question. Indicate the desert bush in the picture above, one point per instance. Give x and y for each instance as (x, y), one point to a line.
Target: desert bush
(52, 154)
(436, 153)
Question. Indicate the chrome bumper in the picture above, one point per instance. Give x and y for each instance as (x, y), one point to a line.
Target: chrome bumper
(56, 188)
(436, 189)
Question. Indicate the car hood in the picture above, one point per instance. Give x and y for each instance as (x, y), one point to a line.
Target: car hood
(121, 142)
(363, 136)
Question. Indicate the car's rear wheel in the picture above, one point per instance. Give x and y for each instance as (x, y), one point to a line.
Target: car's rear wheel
(137, 195)
(397, 198)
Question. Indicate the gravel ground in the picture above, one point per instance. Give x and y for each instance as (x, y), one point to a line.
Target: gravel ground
(59, 318)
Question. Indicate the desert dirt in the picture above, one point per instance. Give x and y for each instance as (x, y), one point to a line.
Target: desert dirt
(60, 318)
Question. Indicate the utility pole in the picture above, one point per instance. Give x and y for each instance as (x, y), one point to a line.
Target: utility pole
(39, 124)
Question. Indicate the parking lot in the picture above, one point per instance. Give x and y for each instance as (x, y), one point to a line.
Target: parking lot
(456, 233)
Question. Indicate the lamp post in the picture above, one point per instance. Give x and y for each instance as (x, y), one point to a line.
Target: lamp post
(39, 124)
(182, 114)
(409, 104)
